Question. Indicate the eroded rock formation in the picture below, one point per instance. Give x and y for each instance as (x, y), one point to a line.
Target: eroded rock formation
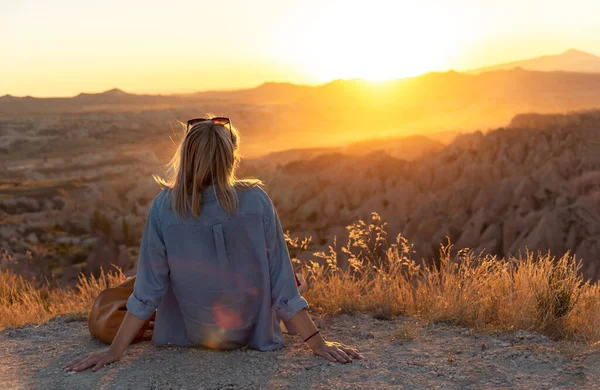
(532, 186)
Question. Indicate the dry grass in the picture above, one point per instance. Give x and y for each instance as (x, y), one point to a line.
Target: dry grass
(535, 292)
(23, 302)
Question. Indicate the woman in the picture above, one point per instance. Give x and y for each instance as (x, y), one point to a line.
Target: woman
(213, 266)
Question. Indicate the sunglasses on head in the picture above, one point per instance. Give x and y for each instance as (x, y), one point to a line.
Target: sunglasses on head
(217, 121)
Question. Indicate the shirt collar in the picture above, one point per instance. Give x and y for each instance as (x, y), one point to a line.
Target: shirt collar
(209, 193)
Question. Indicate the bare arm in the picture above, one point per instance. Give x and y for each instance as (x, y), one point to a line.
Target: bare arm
(332, 351)
(151, 284)
(288, 303)
(129, 328)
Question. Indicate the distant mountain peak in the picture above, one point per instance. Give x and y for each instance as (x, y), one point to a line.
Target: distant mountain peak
(115, 92)
(572, 60)
(576, 51)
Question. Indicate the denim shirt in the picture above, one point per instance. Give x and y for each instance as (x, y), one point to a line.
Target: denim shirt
(220, 280)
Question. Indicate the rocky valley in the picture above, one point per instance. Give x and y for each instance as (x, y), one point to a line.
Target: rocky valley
(73, 201)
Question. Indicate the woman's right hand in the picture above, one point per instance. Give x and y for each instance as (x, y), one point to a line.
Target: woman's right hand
(334, 351)
(94, 359)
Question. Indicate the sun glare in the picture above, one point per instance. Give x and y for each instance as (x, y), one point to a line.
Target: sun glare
(348, 40)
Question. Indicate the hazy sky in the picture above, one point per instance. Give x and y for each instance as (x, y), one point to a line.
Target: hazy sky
(63, 47)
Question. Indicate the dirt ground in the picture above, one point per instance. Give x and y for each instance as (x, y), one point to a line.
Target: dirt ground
(399, 354)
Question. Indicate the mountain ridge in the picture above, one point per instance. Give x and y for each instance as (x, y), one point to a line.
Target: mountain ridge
(343, 111)
(571, 60)
(562, 62)
(354, 84)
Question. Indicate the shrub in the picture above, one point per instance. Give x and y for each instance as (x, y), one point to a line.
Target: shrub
(534, 292)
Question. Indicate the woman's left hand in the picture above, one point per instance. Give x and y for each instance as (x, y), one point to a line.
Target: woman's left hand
(97, 359)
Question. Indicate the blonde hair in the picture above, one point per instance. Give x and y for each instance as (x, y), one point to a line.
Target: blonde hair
(207, 155)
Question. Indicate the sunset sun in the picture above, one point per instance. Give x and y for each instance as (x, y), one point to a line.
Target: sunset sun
(351, 41)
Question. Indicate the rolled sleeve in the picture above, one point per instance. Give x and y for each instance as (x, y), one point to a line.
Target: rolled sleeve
(138, 308)
(285, 299)
(152, 280)
(287, 309)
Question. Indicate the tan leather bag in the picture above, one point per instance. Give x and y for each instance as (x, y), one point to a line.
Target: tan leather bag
(109, 310)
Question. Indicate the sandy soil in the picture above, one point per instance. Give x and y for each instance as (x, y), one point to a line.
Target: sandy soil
(399, 354)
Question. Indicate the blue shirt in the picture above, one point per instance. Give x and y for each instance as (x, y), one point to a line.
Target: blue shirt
(220, 280)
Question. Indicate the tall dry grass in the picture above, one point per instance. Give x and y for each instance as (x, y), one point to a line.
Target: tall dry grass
(24, 302)
(534, 292)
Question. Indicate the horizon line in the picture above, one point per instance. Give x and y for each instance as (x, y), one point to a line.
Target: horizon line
(470, 71)
(172, 94)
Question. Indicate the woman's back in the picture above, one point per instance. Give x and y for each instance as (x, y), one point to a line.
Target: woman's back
(213, 261)
(224, 274)
(217, 250)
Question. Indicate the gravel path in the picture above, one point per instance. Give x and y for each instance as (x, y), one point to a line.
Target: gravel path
(399, 354)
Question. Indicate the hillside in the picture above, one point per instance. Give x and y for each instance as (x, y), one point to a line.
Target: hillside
(405, 148)
(571, 60)
(506, 191)
(277, 117)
